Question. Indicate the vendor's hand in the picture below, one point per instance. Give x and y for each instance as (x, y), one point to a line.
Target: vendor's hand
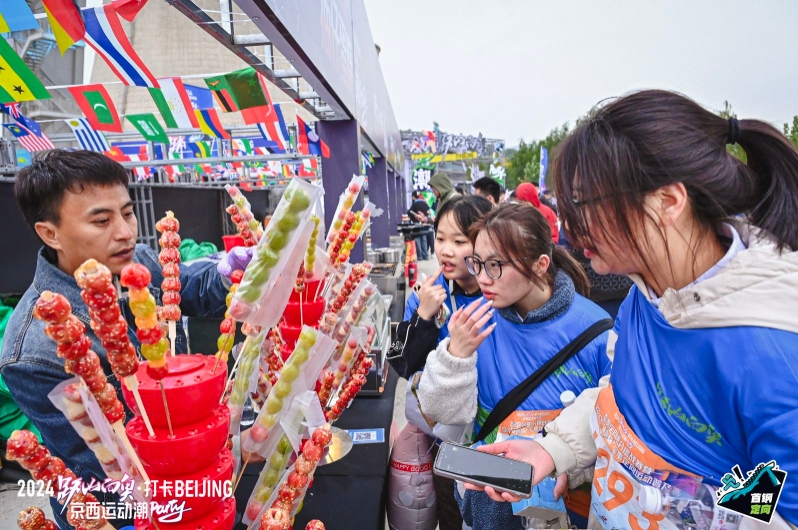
(420, 216)
(431, 296)
(246, 456)
(465, 328)
(527, 451)
(236, 260)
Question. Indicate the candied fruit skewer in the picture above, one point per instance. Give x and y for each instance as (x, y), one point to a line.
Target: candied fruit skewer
(32, 518)
(24, 447)
(100, 295)
(169, 258)
(136, 278)
(227, 329)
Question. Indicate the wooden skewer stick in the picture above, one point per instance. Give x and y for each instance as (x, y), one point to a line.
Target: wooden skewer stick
(172, 334)
(166, 408)
(133, 384)
(240, 475)
(301, 313)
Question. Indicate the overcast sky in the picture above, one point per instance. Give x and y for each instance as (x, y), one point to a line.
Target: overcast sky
(517, 68)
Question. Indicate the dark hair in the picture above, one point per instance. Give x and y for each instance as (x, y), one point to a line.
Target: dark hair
(40, 187)
(489, 186)
(416, 194)
(653, 138)
(459, 189)
(522, 234)
(466, 210)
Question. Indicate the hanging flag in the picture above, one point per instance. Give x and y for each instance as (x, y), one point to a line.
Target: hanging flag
(97, 106)
(199, 97)
(29, 140)
(209, 123)
(274, 168)
(309, 168)
(105, 34)
(200, 149)
(308, 141)
(23, 158)
(368, 159)
(88, 138)
(115, 153)
(12, 109)
(288, 171)
(15, 15)
(238, 90)
(128, 9)
(148, 126)
(271, 125)
(17, 82)
(544, 165)
(66, 22)
(174, 103)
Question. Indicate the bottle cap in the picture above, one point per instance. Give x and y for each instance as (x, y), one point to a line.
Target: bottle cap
(567, 398)
(650, 499)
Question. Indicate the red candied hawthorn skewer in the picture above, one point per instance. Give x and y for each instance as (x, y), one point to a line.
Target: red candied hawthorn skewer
(100, 296)
(32, 518)
(170, 261)
(24, 447)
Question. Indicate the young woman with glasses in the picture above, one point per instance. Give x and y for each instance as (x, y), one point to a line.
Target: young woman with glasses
(427, 312)
(703, 388)
(537, 290)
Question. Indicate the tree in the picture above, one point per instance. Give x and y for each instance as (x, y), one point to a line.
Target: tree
(524, 163)
(792, 132)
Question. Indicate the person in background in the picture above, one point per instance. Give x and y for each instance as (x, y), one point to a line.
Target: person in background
(443, 189)
(549, 200)
(528, 192)
(460, 190)
(538, 290)
(420, 212)
(704, 375)
(427, 312)
(488, 188)
(79, 206)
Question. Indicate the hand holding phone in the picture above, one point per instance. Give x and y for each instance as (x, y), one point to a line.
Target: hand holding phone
(500, 473)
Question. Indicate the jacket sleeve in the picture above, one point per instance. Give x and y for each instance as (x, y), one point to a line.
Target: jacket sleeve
(416, 338)
(447, 393)
(568, 438)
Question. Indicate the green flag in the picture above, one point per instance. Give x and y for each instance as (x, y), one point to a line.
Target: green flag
(17, 82)
(97, 101)
(237, 90)
(148, 126)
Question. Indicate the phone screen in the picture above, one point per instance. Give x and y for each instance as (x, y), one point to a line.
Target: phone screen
(473, 465)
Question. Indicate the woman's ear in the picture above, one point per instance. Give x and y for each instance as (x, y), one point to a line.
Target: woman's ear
(669, 202)
(542, 264)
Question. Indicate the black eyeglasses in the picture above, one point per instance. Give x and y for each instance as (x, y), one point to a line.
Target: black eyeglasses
(493, 267)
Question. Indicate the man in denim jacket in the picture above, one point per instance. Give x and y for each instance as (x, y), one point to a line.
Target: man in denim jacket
(79, 206)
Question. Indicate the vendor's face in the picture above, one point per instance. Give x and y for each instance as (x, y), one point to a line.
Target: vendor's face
(97, 222)
(451, 248)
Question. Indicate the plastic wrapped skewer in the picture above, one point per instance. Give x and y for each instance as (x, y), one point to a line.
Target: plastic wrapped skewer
(240, 212)
(345, 203)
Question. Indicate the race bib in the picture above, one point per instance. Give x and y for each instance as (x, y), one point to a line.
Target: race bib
(635, 488)
(525, 423)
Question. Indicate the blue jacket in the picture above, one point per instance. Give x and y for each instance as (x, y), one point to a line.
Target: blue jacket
(31, 368)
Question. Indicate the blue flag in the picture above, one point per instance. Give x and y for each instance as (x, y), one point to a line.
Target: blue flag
(544, 166)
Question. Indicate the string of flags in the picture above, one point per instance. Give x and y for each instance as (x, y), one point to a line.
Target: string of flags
(180, 106)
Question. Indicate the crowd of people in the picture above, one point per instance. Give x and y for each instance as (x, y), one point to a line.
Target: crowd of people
(673, 265)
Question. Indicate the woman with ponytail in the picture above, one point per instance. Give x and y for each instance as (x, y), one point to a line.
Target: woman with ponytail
(703, 387)
(538, 292)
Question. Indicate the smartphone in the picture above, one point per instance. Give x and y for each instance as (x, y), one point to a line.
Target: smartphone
(484, 469)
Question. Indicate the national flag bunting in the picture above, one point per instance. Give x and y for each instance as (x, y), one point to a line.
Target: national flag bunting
(105, 34)
(88, 138)
(200, 149)
(17, 82)
(128, 9)
(15, 15)
(28, 139)
(271, 125)
(238, 90)
(308, 141)
(66, 22)
(199, 97)
(148, 126)
(97, 106)
(12, 109)
(309, 168)
(174, 104)
(209, 123)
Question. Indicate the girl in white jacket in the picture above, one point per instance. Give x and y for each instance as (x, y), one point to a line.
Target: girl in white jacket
(703, 387)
